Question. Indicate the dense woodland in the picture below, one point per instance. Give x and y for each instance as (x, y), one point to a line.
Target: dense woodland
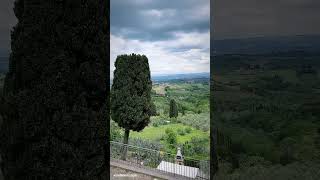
(266, 109)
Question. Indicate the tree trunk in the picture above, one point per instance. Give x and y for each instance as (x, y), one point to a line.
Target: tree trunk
(125, 142)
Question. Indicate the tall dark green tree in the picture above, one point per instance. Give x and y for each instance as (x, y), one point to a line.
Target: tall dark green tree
(131, 105)
(54, 104)
(153, 110)
(173, 109)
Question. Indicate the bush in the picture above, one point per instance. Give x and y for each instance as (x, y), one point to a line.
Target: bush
(162, 138)
(115, 131)
(188, 130)
(197, 146)
(168, 130)
(171, 136)
(181, 132)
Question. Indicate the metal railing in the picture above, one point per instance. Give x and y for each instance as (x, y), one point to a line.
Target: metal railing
(160, 161)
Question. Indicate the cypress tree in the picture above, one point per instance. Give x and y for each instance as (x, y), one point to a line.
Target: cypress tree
(131, 104)
(54, 105)
(173, 109)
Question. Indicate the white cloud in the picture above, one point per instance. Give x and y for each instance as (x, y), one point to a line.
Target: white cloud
(169, 33)
(185, 53)
(158, 13)
(191, 39)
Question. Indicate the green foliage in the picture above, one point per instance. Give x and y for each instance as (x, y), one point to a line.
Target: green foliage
(159, 120)
(181, 132)
(270, 114)
(153, 110)
(173, 113)
(188, 130)
(131, 92)
(115, 131)
(264, 171)
(146, 144)
(199, 121)
(197, 145)
(171, 136)
(157, 133)
(189, 99)
(149, 158)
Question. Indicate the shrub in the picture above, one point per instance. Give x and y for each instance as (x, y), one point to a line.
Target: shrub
(199, 144)
(171, 136)
(188, 130)
(162, 138)
(168, 130)
(196, 145)
(115, 131)
(181, 132)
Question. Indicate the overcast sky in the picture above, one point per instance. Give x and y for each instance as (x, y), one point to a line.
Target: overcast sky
(173, 34)
(251, 18)
(177, 31)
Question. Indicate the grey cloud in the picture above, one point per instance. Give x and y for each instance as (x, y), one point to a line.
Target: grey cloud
(167, 32)
(247, 18)
(156, 19)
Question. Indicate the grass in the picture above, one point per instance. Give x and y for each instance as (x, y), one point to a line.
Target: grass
(155, 133)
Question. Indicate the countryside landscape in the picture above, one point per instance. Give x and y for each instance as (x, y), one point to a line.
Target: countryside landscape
(266, 108)
(160, 88)
(189, 130)
(161, 122)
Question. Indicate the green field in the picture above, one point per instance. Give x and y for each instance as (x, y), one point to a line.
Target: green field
(156, 133)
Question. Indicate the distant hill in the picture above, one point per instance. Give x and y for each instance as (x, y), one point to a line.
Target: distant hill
(169, 77)
(265, 45)
(174, 77)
